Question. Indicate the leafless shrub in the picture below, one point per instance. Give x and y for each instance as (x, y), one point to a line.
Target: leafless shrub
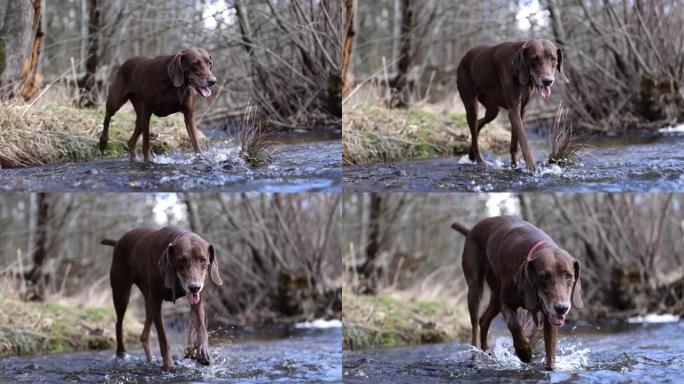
(255, 147)
(563, 145)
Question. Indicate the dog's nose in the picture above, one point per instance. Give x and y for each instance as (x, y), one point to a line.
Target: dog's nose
(211, 81)
(194, 288)
(547, 81)
(561, 309)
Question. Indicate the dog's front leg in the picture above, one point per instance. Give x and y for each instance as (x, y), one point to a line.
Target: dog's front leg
(192, 130)
(521, 345)
(519, 132)
(550, 341)
(202, 351)
(164, 346)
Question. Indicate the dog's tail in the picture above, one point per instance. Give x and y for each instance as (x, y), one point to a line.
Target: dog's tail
(460, 228)
(109, 242)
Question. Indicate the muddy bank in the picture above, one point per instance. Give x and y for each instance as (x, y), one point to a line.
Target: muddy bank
(301, 162)
(586, 354)
(304, 353)
(619, 164)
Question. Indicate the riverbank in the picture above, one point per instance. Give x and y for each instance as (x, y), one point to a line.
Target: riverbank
(57, 133)
(385, 322)
(28, 328)
(374, 134)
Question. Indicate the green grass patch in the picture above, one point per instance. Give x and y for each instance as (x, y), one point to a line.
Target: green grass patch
(28, 328)
(57, 133)
(376, 134)
(384, 322)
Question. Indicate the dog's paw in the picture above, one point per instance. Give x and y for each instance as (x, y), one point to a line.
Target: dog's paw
(524, 353)
(102, 144)
(203, 356)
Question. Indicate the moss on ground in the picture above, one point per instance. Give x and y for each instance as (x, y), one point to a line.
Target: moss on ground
(375, 134)
(38, 328)
(56, 133)
(383, 322)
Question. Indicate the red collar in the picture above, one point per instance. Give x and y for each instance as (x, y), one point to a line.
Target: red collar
(535, 247)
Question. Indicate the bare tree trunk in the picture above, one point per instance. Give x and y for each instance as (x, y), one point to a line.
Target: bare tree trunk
(556, 23)
(37, 275)
(348, 43)
(401, 88)
(84, 32)
(20, 50)
(89, 91)
(371, 269)
(193, 215)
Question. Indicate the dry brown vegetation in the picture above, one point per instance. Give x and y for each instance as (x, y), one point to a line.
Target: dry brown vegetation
(563, 143)
(55, 133)
(377, 134)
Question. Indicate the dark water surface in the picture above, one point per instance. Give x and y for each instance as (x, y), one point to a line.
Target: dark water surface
(302, 162)
(634, 353)
(257, 356)
(612, 164)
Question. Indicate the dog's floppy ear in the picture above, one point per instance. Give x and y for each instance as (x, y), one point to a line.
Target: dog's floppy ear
(577, 288)
(520, 70)
(175, 70)
(214, 273)
(559, 66)
(523, 282)
(166, 266)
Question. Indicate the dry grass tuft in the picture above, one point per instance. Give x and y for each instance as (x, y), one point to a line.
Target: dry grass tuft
(563, 145)
(374, 134)
(384, 321)
(55, 133)
(256, 148)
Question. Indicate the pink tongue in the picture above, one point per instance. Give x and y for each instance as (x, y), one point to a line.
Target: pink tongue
(558, 320)
(544, 91)
(206, 92)
(193, 298)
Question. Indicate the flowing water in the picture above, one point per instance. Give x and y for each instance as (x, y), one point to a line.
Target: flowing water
(302, 162)
(245, 355)
(611, 164)
(627, 353)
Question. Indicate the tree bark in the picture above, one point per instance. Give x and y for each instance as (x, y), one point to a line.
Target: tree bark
(89, 91)
(37, 275)
(20, 50)
(349, 33)
(400, 96)
(371, 269)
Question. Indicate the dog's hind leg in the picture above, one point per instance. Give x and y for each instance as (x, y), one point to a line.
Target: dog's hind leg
(116, 98)
(490, 114)
(491, 311)
(121, 282)
(474, 270)
(145, 336)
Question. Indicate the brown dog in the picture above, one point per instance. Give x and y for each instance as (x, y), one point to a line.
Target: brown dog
(165, 264)
(524, 268)
(159, 85)
(504, 76)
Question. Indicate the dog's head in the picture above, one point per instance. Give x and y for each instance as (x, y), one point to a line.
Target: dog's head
(192, 67)
(551, 279)
(186, 260)
(537, 62)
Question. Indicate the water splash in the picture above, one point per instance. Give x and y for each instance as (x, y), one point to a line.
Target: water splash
(572, 358)
(504, 355)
